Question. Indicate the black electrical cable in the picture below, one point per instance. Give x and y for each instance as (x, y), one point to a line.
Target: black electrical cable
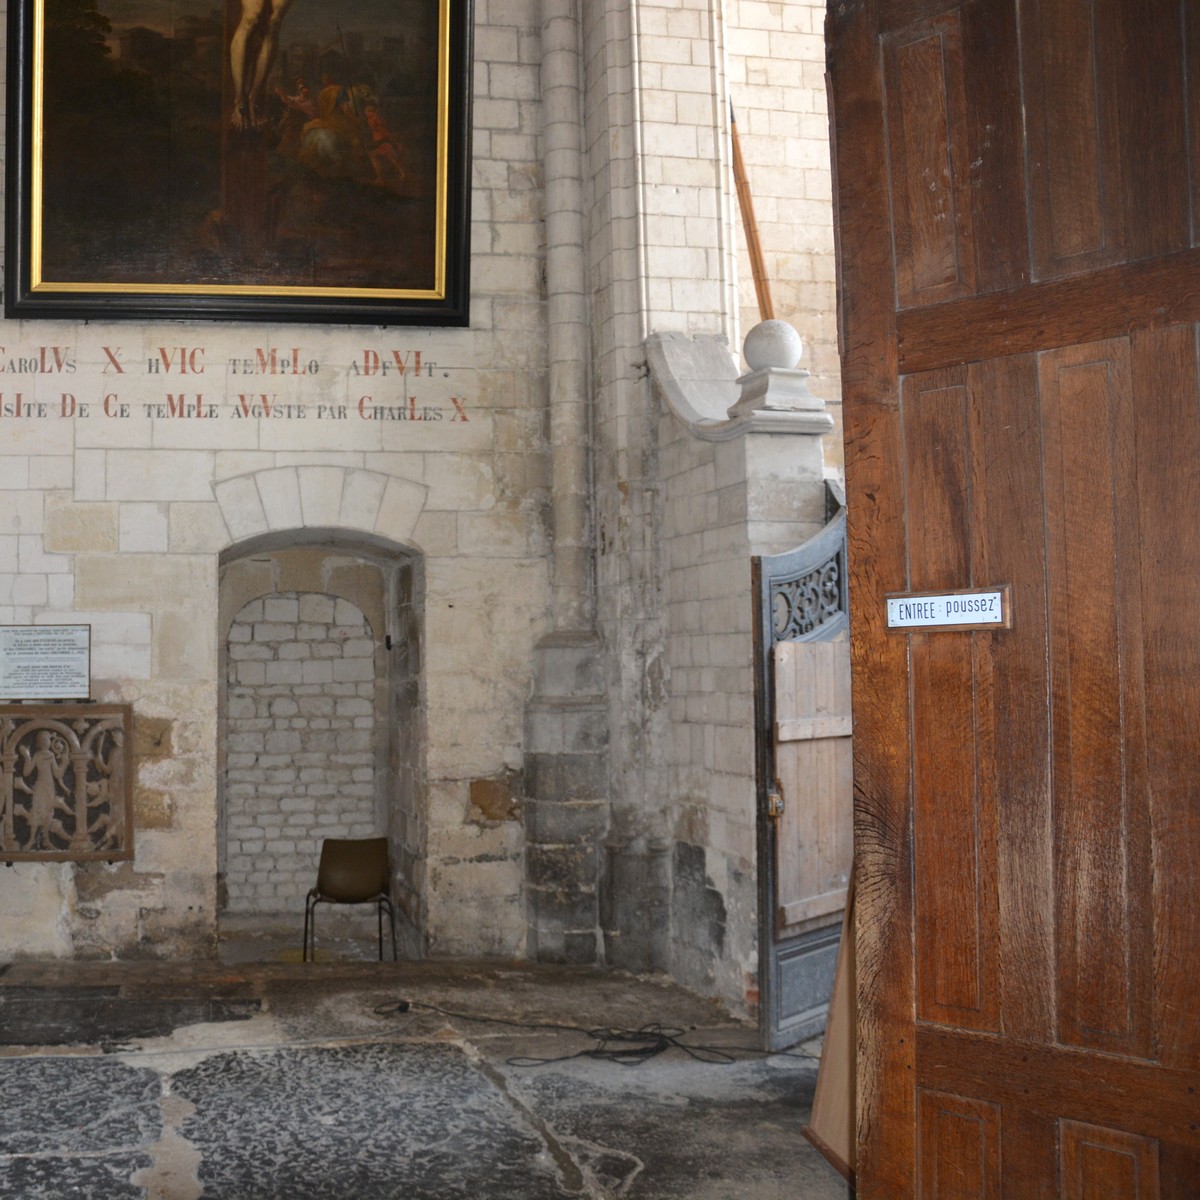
(628, 1047)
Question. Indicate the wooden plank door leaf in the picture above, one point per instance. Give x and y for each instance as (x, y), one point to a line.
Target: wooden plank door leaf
(814, 818)
(1018, 190)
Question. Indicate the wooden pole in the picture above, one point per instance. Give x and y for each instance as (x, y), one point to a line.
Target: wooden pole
(762, 289)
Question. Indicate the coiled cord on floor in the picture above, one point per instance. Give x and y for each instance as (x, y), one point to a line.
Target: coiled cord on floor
(628, 1047)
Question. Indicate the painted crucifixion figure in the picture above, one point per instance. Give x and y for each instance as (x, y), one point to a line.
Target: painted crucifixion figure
(252, 53)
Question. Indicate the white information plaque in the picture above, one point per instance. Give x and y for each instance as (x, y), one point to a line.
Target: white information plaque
(45, 662)
(983, 608)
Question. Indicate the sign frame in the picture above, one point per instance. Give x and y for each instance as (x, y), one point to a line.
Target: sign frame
(934, 625)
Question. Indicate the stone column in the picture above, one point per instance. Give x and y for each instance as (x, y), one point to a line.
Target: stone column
(565, 721)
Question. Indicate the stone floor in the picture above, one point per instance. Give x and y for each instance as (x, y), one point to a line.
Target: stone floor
(352, 1080)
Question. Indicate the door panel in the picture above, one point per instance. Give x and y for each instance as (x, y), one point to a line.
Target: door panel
(1098, 1162)
(1022, 403)
(959, 1145)
(1097, 705)
(814, 772)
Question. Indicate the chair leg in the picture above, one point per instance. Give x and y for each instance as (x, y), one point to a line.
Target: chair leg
(391, 911)
(310, 928)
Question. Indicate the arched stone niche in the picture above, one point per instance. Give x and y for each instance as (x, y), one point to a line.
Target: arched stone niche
(320, 729)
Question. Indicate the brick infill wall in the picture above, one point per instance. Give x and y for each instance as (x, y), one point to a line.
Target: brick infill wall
(300, 759)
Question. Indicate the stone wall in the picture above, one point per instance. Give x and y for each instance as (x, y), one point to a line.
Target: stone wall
(542, 526)
(725, 502)
(300, 744)
(776, 64)
(119, 517)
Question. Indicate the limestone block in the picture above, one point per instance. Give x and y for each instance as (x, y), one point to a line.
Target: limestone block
(152, 737)
(184, 647)
(350, 670)
(144, 581)
(361, 498)
(201, 433)
(316, 608)
(34, 899)
(499, 533)
(241, 506)
(120, 662)
(312, 671)
(461, 482)
(91, 471)
(195, 528)
(402, 505)
(48, 471)
(143, 527)
(285, 672)
(159, 474)
(321, 495)
(436, 534)
(152, 809)
(280, 492)
(251, 674)
(347, 614)
(282, 609)
(60, 591)
(21, 512)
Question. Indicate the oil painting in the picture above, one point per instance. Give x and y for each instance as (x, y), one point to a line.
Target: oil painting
(246, 159)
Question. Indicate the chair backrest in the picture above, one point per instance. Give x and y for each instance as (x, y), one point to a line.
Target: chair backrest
(353, 870)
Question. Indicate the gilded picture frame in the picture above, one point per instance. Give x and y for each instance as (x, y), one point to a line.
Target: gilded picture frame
(278, 160)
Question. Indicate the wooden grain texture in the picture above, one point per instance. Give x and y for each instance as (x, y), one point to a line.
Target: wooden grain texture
(814, 832)
(953, 839)
(1109, 303)
(959, 1147)
(1062, 1082)
(1097, 708)
(995, 152)
(1143, 45)
(886, 1105)
(1014, 779)
(1028, 827)
(1077, 222)
(1166, 395)
(1191, 65)
(1106, 1164)
(1028, 1155)
(1097, 79)
(926, 135)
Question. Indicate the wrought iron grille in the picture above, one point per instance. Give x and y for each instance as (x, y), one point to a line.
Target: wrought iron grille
(801, 605)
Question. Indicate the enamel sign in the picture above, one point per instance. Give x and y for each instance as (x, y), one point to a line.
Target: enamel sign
(984, 608)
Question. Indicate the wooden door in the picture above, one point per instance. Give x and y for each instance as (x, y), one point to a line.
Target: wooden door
(1018, 210)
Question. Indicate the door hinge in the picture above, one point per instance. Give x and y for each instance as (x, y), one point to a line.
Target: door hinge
(775, 802)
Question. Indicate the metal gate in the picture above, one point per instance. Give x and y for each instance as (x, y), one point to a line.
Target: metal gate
(805, 781)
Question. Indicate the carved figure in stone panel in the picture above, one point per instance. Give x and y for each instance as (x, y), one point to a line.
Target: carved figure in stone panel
(48, 765)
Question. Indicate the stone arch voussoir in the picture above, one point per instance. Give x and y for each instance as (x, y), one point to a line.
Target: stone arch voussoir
(286, 498)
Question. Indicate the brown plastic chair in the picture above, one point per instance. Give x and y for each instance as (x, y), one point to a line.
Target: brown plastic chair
(351, 871)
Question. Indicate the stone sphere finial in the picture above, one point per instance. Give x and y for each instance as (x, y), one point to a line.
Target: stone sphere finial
(772, 344)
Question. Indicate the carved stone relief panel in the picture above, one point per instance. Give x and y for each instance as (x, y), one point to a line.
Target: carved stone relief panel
(67, 780)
